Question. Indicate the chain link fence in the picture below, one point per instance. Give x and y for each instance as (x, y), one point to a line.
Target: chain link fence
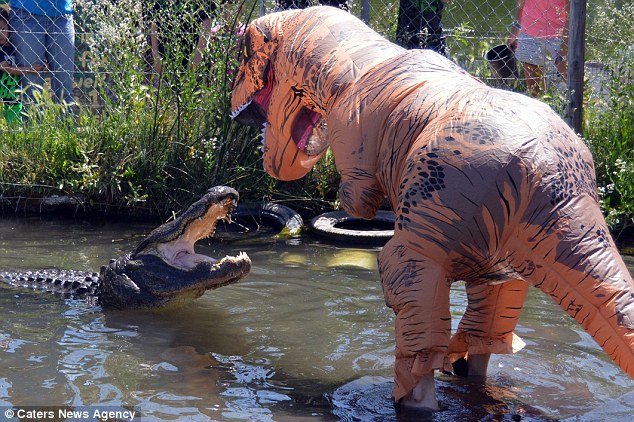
(154, 43)
(147, 126)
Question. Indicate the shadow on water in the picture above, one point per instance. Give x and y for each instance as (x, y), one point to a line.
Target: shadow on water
(369, 398)
(305, 337)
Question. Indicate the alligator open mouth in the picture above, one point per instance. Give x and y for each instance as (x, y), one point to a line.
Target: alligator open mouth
(174, 242)
(164, 267)
(163, 270)
(180, 251)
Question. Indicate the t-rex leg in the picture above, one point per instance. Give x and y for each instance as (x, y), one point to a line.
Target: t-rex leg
(417, 290)
(489, 321)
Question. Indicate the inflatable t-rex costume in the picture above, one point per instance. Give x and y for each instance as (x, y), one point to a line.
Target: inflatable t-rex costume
(490, 187)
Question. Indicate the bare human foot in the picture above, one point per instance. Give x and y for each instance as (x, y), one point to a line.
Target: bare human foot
(423, 396)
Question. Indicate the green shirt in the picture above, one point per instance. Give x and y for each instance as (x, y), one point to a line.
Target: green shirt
(9, 84)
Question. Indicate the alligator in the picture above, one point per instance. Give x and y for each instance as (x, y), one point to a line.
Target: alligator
(163, 270)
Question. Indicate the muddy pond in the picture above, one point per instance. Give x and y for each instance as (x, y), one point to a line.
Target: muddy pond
(306, 336)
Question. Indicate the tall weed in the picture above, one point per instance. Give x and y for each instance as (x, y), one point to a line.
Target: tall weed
(609, 121)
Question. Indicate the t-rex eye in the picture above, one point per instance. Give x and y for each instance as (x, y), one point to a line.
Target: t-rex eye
(247, 47)
(265, 33)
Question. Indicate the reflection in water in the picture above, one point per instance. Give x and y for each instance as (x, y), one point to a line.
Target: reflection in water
(305, 335)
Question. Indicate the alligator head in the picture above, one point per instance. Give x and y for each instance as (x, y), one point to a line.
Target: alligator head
(164, 270)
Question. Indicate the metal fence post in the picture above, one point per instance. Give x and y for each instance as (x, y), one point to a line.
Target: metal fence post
(576, 58)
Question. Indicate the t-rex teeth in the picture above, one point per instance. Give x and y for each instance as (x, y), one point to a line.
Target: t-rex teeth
(239, 110)
(264, 126)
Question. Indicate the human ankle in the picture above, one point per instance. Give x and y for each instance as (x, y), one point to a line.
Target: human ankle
(423, 395)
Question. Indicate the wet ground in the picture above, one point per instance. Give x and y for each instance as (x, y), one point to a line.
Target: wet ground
(306, 336)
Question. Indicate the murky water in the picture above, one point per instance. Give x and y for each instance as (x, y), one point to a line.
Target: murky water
(306, 336)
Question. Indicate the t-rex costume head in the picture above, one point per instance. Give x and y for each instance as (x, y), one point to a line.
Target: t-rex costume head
(298, 89)
(488, 186)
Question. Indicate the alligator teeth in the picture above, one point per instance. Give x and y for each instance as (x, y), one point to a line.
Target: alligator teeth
(239, 257)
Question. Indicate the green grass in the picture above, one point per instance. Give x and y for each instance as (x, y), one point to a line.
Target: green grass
(155, 144)
(609, 122)
(609, 129)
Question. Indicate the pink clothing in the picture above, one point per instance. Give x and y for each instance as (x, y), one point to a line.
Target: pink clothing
(544, 18)
(217, 30)
(220, 32)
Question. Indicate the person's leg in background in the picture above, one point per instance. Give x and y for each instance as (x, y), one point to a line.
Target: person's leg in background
(432, 23)
(292, 4)
(420, 26)
(341, 4)
(408, 25)
(537, 80)
(60, 45)
(29, 42)
(534, 76)
(531, 53)
(559, 52)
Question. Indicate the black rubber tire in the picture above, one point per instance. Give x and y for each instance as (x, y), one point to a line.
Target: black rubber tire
(290, 221)
(326, 225)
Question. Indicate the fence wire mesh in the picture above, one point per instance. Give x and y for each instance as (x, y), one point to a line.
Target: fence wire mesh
(103, 48)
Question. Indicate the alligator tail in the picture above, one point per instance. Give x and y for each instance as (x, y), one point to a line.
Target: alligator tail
(76, 284)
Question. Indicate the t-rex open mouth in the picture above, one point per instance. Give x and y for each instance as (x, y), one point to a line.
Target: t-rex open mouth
(308, 129)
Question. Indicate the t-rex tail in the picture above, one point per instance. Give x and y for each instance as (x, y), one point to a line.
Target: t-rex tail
(572, 258)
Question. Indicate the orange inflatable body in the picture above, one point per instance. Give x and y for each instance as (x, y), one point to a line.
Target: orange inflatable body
(488, 186)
